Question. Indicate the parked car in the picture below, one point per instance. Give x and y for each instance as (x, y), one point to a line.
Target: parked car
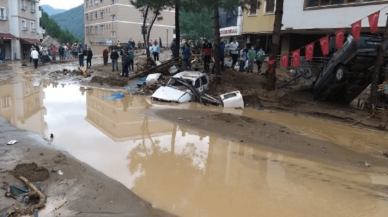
(348, 71)
(182, 87)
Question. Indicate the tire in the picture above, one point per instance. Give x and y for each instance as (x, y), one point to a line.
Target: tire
(307, 73)
(340, 73)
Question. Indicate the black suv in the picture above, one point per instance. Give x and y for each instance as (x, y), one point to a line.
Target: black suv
(348, 71)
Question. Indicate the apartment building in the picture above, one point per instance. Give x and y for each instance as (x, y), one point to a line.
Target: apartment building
(110, 21)
(258, 20)
(19, 27)
(231, 24)
(305, 21)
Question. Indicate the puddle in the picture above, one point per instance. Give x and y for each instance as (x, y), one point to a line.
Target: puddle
(192, 174)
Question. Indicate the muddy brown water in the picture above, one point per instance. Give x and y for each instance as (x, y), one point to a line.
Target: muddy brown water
(194, 174)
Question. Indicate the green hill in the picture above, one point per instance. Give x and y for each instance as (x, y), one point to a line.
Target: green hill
(73, 20)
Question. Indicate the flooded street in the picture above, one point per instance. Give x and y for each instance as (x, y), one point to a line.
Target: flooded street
(188, 173)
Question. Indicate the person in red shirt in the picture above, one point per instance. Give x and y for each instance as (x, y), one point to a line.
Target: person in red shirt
(105, 56)
(207, 52)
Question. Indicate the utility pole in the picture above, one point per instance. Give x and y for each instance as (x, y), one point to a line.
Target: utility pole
(177, 29)
(379, 64)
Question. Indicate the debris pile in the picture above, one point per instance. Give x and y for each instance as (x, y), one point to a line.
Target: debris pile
(111, 81)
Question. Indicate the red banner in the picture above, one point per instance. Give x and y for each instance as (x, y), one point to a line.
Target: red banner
(324, 45)
(284, 61)
(296, 58)
(309, 51)
(339, 38)
(374, 21)
(356, 29)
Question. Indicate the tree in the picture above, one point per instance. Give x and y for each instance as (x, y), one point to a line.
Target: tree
(195, 25)
(271, 74)
(53, 29)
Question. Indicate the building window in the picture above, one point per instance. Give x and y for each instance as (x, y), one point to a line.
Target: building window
(101, 29)
(90, 2)
(269, 6)
(96, 2)
(86, 17)
(95, 15)
(101, 14)
(101, 1)
(113, 34)
(113, 2)
(3, 15)
(91, 16)
(87, 30)
(86, 4)
(32, 6)
(113, 17)
(323, 3)
(23, 5)
(6, 102)
(253, 8)
(96, 30)
(24, 25)
(32, 26)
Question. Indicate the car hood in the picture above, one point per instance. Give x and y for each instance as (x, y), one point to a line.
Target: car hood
(171, 95)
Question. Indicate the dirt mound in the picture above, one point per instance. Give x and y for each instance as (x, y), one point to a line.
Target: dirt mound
(31, 171)
(229, 118)
(111, 81)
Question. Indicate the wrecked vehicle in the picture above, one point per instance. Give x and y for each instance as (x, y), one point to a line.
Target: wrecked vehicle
(348, 71)
(182, 87)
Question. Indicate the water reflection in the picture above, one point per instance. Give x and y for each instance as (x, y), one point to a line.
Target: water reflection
(191, 174)
(22, 105)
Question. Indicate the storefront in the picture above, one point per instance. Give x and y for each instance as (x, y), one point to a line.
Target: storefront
(231, 25)
(5, 44)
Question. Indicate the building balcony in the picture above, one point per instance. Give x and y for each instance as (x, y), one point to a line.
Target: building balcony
(3, 18)
(24, 28)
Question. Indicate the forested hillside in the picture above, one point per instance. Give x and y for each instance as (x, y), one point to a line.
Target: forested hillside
(52, 11)
(73, 20)
(53, 29)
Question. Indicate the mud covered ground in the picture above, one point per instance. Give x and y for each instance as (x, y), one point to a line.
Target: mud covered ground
(278, 137)
(80, 191)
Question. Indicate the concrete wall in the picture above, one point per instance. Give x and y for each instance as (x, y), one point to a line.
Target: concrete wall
(127, 24)
(296, 17)
(261, 22)
(4, 24)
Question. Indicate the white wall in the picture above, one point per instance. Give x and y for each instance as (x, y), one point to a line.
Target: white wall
(296, 18)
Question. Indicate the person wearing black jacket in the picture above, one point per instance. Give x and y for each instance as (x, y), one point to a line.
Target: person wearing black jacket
(114, 57)
(81, 56)
(89, 58)
(125, 62)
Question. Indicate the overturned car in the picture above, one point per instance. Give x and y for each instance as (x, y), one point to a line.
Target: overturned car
(349, 70)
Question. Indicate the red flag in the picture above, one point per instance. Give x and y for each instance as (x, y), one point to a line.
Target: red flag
(324, 45)
(339, 38)
(374, 21)
(284, 60)
(309, 51)
(356, 29)
(296, 58)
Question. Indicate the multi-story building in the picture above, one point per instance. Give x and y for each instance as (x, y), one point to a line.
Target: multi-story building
(19, 27)
(305, 21)
(231, 24)
(258, 20)
(110, 21)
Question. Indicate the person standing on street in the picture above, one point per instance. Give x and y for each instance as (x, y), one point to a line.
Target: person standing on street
(207, 52)
(114, 56)
(233, 46)
(61, 53)
(54, 51)
(131, 57)
(260, 58)
(185, 56)
(251, 59)
(155, 51)
(160, 42)
(35, 57)
(124, 62)
(81, 56)
(105, 54)
(89, 58)
(173, 47)
(44, 54)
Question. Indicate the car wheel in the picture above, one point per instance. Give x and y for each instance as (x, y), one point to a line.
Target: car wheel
(340, 72)
(307, 73)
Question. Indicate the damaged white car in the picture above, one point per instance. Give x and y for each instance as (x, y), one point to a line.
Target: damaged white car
(182, 87)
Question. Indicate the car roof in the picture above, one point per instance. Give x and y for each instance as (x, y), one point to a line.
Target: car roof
(192, 75)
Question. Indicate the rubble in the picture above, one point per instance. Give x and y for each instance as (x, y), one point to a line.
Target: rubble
(111, 81)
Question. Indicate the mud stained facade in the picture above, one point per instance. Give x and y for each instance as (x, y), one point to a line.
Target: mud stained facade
(110, 21)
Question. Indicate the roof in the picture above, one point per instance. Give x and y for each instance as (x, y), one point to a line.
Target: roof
(189, 75)
(6, 35)
(48, 41)
(32, 41)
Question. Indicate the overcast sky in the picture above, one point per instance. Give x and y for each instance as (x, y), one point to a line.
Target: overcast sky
(62, 4)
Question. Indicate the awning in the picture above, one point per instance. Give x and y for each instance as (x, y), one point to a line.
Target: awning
(32, 41)
(6, 35)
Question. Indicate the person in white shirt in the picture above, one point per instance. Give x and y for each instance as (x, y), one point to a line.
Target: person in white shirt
(35, 57)
(233, 47)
